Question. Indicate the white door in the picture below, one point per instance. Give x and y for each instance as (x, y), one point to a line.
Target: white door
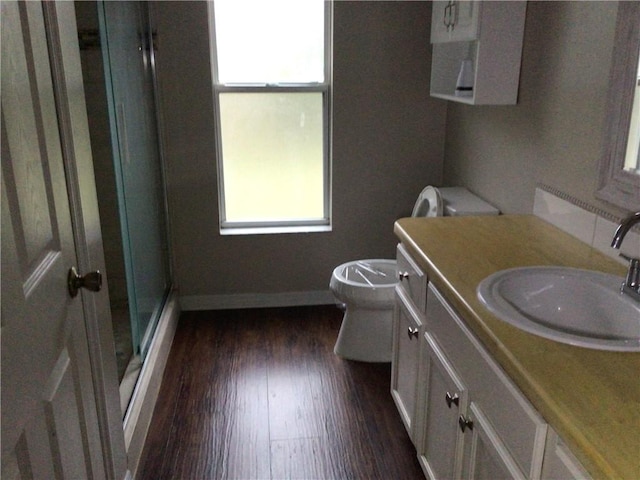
(440, 445)
(54, 422)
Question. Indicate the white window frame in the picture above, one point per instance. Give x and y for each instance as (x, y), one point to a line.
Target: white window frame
(285, 226)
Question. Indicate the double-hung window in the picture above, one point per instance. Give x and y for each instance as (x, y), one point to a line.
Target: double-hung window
(271, 71)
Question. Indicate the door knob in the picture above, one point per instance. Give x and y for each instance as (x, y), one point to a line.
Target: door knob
(92, 281)
(412, 332)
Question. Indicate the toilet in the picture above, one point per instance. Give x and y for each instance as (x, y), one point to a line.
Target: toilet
(366, 288)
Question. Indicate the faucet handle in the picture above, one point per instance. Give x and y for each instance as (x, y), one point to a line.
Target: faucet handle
(632, 282)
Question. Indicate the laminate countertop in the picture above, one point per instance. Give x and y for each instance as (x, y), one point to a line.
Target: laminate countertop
(590, 397)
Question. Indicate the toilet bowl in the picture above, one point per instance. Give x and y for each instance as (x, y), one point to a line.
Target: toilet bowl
(366, 287)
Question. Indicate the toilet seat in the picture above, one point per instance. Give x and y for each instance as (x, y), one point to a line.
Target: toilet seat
(428, 204)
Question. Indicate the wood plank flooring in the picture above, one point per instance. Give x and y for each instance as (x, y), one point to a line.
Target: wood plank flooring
(259, 394)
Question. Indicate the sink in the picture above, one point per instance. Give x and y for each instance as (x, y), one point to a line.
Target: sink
(579, 307)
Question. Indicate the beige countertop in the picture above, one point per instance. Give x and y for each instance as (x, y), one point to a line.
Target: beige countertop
(590, 397)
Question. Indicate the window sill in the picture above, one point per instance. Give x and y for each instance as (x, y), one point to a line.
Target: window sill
(274, 230)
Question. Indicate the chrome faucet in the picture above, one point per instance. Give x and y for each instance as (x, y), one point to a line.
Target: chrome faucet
(631, 285)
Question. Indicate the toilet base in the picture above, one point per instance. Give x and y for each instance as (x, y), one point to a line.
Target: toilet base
(366, 335)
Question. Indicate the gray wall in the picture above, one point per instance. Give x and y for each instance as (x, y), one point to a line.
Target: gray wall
(554, 135)
(388, 141)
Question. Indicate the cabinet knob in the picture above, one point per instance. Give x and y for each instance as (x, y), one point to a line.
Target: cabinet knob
(412, 332)
(450, 15)
(403, 275)
(465, 423)
(452, 399)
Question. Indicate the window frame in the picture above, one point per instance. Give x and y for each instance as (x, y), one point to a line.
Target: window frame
(227, 227)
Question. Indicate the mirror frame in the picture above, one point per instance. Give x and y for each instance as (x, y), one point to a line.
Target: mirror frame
(615, 185)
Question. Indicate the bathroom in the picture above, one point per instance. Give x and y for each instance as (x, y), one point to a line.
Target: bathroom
(390, 139)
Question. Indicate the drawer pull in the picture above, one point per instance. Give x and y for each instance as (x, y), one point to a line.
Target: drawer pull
(403, 275)
(452, 399)
(465, 423)
(412, 332)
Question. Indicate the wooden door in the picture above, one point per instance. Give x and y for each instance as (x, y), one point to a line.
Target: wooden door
(53, 421)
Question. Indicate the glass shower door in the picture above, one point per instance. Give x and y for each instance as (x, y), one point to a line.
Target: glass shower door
(128, 50)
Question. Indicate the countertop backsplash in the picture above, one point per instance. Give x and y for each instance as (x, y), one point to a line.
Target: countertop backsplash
(586, 226)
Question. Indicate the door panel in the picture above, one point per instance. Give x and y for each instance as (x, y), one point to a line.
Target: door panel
(49, 417)
(440, 451)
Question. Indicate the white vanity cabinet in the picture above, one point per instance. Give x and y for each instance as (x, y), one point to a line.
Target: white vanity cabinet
(407, 330)
(465, 416)
(497, 433)
(404, 372)
(489, 34)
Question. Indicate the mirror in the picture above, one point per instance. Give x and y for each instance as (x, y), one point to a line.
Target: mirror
(619, 181)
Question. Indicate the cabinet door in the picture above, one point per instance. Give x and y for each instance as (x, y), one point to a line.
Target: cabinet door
(440, 443)
(406, 348)
(454, 21)
(485, 456)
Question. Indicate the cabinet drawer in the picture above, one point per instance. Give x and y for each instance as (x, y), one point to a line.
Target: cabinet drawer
(412, 279)
(509, 413)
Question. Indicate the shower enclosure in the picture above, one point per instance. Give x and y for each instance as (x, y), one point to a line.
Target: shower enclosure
(117, 44)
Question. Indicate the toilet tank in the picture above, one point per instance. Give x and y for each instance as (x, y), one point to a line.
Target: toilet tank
(458, 201)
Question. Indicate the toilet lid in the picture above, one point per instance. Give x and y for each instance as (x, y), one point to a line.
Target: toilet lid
(429, 203)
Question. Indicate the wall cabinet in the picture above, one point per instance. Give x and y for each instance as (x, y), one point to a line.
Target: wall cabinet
(454, 21)
(485, 35)
(465, 417)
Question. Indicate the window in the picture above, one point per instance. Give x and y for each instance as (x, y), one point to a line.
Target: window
(271, 70)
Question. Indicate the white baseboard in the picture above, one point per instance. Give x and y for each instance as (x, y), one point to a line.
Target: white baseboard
(140, 411)
(256, 300)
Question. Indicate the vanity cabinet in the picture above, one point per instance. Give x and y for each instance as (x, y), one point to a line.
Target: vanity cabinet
(407, 329)
(498, 434)
(465, 417)
(488, 37)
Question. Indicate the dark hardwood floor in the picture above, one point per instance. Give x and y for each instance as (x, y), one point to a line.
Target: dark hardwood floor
(259, 394)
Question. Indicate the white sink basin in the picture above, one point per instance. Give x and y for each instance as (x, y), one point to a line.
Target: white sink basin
(568, 305)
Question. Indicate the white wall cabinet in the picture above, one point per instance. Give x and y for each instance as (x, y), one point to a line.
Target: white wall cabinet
(454, 21)
(465, 417)
(489, 34)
